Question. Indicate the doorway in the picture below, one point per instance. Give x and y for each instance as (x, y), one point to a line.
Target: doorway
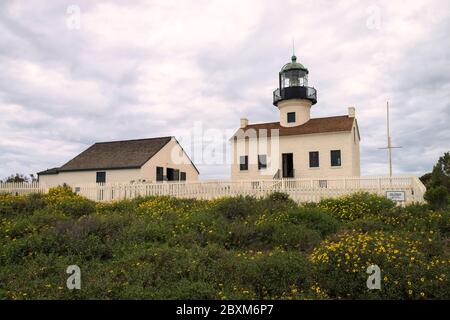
(288, 165)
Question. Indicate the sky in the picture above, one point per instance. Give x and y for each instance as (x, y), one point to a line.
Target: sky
(78, 72)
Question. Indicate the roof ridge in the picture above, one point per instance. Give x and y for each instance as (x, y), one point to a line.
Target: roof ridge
(129, 140)
(344, 115)
(276, 122)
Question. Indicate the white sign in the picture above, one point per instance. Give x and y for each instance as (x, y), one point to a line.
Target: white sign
(395, 195)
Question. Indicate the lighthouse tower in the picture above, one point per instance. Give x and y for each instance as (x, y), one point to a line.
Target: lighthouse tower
(294, 97)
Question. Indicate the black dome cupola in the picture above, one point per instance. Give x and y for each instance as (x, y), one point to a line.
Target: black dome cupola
(293, 83)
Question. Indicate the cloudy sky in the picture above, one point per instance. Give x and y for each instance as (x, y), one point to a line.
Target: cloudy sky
(76, 72)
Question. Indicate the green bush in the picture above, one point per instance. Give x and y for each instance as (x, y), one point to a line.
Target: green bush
(121, 207)
(369, 225)
(437, 197)
(295, 237)
(275, 203)
(313, 218)
(76, 207)
(235, 208)
(278, 197)
(259, 275)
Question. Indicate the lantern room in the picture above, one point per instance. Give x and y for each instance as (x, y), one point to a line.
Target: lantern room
(293, 83)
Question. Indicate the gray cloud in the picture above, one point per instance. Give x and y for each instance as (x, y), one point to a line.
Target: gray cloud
(154, 68)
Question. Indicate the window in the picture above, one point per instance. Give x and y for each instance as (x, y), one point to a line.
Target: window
(290, 117)
(262, 161)
(159, 174)
(182, 176)
(170, 174)
(101, 177)
(173, 174)
(243, 163)
(335, 158)
(314, 159)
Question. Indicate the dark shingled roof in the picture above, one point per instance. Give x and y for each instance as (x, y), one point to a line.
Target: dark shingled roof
(49, 171)
(316, 125)
(126, 154)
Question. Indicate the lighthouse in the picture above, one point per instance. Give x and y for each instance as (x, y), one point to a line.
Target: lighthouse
(294, 97)
(297, 145)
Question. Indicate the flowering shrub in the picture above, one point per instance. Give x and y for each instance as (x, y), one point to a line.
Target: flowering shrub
(406, 271)
(60, 194)
(25, 204)
(357, 205)
(63, 199)
(10, 204)
(160, 207)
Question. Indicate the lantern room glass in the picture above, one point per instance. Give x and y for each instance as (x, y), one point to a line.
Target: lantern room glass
(294, 78)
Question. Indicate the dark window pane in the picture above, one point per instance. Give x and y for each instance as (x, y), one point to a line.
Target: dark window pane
(314, 159)
(243, 162)
(176, 175)
(290, 117)
(183, 176)
(262, 161)
(159, 173)
(170, 174)
(335, 158)
(101, 177)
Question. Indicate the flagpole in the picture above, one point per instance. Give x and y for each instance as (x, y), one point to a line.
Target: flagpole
(389, 146)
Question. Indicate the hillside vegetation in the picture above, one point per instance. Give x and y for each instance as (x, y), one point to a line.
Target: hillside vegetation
(230, 248)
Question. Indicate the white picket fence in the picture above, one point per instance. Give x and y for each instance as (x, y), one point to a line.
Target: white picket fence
(20, 188)
(301, 190)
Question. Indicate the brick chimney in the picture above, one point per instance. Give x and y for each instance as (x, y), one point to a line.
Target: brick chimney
(351, 112)
(244, 122)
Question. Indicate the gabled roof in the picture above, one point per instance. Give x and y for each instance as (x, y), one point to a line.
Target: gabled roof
(128, 154)
(49, 171)
(315, 125)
